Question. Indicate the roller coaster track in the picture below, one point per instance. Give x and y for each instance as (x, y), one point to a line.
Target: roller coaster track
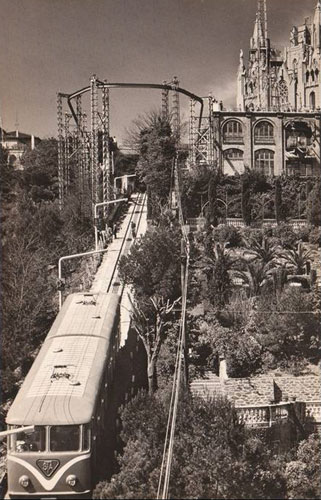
(159, 86)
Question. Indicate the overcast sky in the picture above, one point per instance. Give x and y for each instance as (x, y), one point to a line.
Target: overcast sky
(56, 45)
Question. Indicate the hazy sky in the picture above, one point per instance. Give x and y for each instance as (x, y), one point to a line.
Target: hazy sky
(56, 45)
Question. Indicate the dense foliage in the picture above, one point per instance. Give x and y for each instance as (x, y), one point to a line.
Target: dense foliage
(157, 149)
(214, 455)
(153, 264)
(34, 235)
(251, 196)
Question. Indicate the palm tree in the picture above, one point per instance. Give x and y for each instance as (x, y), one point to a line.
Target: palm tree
(255, 277)
(216, 266)
(296, 260)
(266, 251)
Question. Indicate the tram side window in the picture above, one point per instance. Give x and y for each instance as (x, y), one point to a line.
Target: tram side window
(65, 438)
(28, 441)
(86, 438)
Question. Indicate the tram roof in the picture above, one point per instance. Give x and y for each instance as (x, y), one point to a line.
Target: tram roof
(62, 385)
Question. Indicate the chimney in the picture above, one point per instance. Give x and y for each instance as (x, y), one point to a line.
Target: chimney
(223, 368)
(32, 142)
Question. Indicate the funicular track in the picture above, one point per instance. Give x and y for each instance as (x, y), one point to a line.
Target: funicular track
(136, 216)
(113, 286)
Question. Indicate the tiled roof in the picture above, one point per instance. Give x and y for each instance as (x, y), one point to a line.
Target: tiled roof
(242, 391)
(260, 390)
(303, 388)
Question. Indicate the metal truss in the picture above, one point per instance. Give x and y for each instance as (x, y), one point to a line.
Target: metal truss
(68, 145)
(175, 108)
(201, 140)
(94, 138)
(192, 134)
(85, 147)
(165, 102)
(105, 145)
(60, 151)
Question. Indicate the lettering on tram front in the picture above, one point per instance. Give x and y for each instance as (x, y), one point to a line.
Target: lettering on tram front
(48, 467)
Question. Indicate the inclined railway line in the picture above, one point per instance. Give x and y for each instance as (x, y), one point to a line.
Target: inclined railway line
(68, 386)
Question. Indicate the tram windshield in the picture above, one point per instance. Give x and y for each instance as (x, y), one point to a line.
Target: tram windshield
(28, 441)
(65, 438)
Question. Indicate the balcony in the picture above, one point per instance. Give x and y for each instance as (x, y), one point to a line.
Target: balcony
(313, 412)
(274, 414)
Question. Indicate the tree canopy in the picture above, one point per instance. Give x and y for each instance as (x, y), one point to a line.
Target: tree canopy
(40, 174)
(214, 455)
(153, 264)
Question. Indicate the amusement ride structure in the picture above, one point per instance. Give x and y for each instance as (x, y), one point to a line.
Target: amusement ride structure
(86, 140)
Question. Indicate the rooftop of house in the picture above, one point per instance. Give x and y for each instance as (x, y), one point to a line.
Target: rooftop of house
(16, 135)
(260, 390)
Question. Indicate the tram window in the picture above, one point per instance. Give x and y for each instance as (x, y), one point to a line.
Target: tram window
(86, 438)
(64, 438)
(29, 441)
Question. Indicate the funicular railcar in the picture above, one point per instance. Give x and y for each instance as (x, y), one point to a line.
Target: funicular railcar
(64, 398)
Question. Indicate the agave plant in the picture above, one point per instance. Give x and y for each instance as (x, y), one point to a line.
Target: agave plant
(266, 251)
(219, 253)
(256, 275)
(296, 260)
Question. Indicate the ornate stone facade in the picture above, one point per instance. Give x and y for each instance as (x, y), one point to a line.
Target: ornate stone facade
(282, 81)
(276, 128)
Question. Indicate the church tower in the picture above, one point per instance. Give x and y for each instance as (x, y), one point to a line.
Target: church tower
(302, 60)
(263, 85)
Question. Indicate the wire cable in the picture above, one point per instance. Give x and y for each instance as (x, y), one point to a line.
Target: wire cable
(163, 483)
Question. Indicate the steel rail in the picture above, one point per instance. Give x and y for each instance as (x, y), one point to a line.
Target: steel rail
(120, 253)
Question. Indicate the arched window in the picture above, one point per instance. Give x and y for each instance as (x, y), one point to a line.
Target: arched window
(264, 161)
(312, 100)
(312, 75)
(307, 75)
(264, 133)
(233, 154)
(233, 131)
(317, 74)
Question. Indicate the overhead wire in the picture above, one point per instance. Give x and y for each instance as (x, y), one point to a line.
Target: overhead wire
(163, 484)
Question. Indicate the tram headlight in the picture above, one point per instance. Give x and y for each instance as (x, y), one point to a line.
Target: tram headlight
(71, 480)
(24, 481)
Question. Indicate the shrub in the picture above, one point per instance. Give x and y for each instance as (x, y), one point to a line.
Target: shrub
(250, 234)
(303, 233)
(286, 235)
(315, 236)
(231, 234)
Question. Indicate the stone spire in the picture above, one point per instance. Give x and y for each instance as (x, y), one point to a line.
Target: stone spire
(240, 83)
(317, 26)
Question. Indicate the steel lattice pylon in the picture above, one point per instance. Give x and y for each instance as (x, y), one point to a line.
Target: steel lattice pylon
(106, 150)
(175, 108)
(67, 149)
(60, 151)
(79, 144)
(94, 139)
(165, 103)
(202, 139)
(84, 154)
